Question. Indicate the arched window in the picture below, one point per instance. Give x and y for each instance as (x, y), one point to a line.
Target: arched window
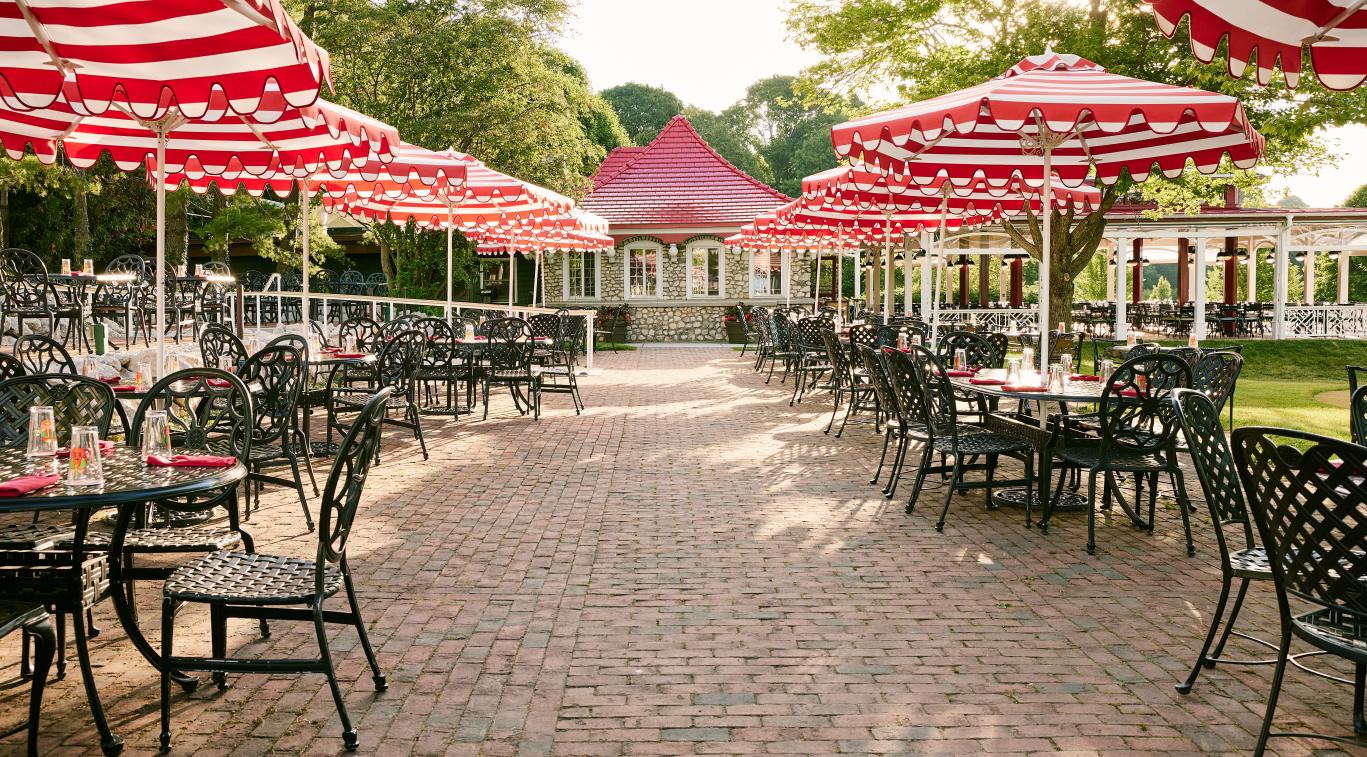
(706, 269)
(643, 261)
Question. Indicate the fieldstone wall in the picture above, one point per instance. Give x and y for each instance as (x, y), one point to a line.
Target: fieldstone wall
(681, 323)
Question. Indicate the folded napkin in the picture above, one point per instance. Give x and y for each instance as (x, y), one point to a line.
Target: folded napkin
(111, 379)
(1023, 388)
(1083, 377)
(106, 448)
(349, 355)
(125, 388)
(192, 461)
(961, 374)
(1128, 393)
(18, 487)
(218, 382)
(986, 381)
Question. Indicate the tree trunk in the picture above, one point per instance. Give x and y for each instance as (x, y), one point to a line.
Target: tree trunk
(82, 231)
(220, 202)
(386, 262)
(4, 217)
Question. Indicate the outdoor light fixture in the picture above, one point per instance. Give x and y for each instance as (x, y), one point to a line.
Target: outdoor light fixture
(899, 257)
(673, 251)
(1334, 255)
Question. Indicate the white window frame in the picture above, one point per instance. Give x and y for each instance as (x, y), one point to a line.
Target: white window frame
(659, 251)
(705, 245)
(597, 277)
(783, 273)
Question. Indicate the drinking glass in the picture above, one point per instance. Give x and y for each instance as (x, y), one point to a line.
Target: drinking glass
(156, 434)
(1028, 358)
(88, 267)
(960, 359)
(42, 432)
(1066, 361)
(199, 270)
(66, 266)
(1056, 378)
(469, 332)
(84, 467)
(1105, 369)
(916, 340)
(1013, 370)
(142, 377)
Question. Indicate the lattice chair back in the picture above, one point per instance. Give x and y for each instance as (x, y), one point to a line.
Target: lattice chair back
(1136, 404)
(293, 341)
(1215, 374)
(782, 329)
(75, 401)
(121, 293)
(377, 284)
(134, 264)
(808, 334)
(217, 268)
(1357, 407)
(1213, 460)
(352, 281)
(760, 316)
(276, 375)
(863, 335)
(545, 325)
(219, 346)
(396, 326)
(346, 482)
(509, 349)
(319, 333)
(24, 278)
(840, 360)
(253, 280)
(1000, 344)
(978, 351)
(1190, 354)
(440, 342)
(905, 386)
(292, 282)
(1311, 510)
(358, 331)
(1066, 341)
(11, 367)
(39, 354)
(399, 362)
(937, 393)
(878, 378)
(208, 410)
(1139, 350)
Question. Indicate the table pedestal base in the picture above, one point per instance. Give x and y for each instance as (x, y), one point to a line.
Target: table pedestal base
(1067, 501)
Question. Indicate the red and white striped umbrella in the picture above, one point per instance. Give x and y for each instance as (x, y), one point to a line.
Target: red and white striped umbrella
(1050, 116)
(199, 57)
(864, 188)
(1335, 31)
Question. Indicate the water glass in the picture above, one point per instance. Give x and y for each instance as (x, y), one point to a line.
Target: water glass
(66, 266)
(42, 432)
(156, 434)
(916, 340)
(469, 332)
(84, 467)
(1105, 369)
(1056, 378)
(1013, 370)
(88, 267)
(1066, 361)
(960, 359)
(142, 377)
(199, 270)
(1028, 358)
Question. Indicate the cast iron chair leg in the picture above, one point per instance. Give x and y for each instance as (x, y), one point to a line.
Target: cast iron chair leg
(887, 438)
(218, 631)
(44, 646)
(954, 477)
(1215, 618)
(376, 674)
(299, 487)
(168, 615)
(921, 467)
(1359, 684)
(109, 742)
(1282, 652)
(1091, 510)
(1183, 505)
(349, 739)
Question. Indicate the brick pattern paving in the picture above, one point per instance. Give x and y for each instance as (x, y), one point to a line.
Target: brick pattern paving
(692, 567)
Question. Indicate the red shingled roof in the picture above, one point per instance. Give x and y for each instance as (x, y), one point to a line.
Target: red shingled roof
(678, 180)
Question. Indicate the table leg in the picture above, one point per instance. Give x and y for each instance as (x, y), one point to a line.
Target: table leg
(110, 742)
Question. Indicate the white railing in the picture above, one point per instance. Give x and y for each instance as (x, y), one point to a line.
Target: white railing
(1326, 321)
(994, 319)
(386, 308)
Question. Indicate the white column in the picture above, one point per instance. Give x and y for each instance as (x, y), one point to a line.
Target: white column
(927, 279)
(1253, 256)
(1279, 281)
(1122, 264)
(1198, 283)
(858, 275)
(1310, 277)
(1003, 278)
(907, 308)
(1110, 277)
(1344, 258)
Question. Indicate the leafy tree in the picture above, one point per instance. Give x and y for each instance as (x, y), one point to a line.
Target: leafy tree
(1161, 290)
(793, 135)
(1292, 201)
(1358, 199)
(926, 48)
(643, 110)
(728, 134)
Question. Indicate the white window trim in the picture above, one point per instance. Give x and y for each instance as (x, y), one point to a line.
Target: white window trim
(783, 278)
(597, 277)
(659, 251)
(705, 244)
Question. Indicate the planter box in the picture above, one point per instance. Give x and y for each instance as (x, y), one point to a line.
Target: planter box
(735, 333)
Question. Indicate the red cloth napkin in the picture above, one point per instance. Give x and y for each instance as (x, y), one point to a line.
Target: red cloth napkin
(986, 381)
(961, 374)
(1128, 393)
(111, 379)
(192, 461)
(125, 388)
(218, 382)
(349, 355)
(18, 487)
(1023, 388)
(1083, 377)
(106, 449)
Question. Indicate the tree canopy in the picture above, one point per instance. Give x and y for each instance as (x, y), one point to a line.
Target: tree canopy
(643, 110)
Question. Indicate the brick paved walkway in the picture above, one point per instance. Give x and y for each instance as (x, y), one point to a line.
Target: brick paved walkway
(693, 567)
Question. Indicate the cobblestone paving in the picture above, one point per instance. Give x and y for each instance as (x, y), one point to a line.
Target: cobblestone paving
(692, 567)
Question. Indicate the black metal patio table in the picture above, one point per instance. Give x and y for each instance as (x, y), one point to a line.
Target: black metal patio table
(76, 579)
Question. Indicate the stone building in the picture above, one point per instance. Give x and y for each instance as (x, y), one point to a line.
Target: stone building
(670, 205)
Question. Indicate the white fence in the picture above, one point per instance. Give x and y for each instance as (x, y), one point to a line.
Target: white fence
(1326, 321)
(994, 319)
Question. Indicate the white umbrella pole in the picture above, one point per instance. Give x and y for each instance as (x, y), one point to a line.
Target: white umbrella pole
(304, 224)
(512, 264)
(816, 290)
(887, 268)
(536, 279)
(786, 279)
(940, 243)
(1046, 213)
(840, 281)
(450, 231)
(161, 253)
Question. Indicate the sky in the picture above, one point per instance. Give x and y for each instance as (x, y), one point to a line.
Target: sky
(708, 51)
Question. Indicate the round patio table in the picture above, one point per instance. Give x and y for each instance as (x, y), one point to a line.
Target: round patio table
(1073, 392)
(79, 580)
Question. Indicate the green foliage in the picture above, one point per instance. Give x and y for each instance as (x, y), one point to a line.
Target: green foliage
(792, 135)
(415, 260)
(728, 133)
(1091, 282)
(1161, 290)
(642, 109)
(1358, 199)
(242, 218)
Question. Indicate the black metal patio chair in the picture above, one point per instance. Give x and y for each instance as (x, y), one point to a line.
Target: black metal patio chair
(41, 354)
(276, 377)
(396, 369)
(27, 294)
(220, 348)
(34, 621)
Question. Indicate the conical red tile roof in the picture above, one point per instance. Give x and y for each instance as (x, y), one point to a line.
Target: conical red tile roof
(677, 181)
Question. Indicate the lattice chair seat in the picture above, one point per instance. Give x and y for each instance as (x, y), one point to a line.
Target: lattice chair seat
(25, 536)
(356, 398)
(983, 443)
(1251, 563)
(1334, 627)
(246, 578)
(166, 540)
(1120, 459)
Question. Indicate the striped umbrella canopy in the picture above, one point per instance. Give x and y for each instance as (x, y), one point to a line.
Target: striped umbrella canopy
(863, 187)
(200, 58)
(577, 231)
(1050, 116)
(1333, 31)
